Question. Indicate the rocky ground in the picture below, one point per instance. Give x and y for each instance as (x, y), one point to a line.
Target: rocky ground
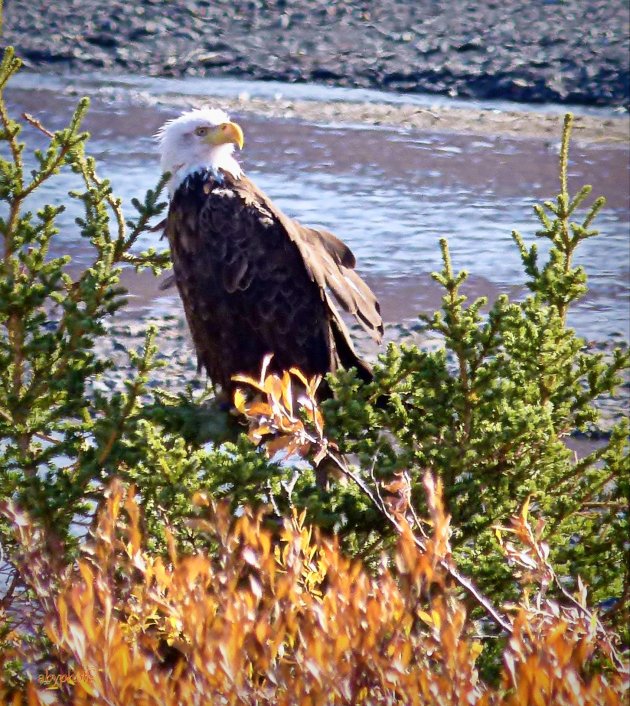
(180, 374)
(569, 51)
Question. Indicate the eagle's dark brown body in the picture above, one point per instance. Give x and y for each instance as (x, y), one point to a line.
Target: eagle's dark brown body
(254, 281)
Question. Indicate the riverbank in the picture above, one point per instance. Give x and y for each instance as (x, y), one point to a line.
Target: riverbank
(436, 118)
(343, 107)
(571, 52)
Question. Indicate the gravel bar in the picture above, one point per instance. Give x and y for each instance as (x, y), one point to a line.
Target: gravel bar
(562, 51)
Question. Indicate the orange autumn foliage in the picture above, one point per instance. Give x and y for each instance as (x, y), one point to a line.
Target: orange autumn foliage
(281, 617)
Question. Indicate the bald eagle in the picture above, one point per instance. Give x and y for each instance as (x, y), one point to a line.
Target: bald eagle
(252, 280)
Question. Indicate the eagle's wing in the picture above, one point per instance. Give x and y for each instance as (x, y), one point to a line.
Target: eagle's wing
(330, 263)
(254, 282)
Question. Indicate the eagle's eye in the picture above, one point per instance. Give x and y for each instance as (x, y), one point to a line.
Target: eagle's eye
(201, 131)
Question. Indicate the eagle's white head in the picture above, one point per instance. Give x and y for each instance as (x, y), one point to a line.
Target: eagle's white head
(203, 138)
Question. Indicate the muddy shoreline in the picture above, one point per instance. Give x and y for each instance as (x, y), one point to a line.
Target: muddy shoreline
(438, 118)
(448, 116)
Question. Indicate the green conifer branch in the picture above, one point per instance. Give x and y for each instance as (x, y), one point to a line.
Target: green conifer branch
(486, 412)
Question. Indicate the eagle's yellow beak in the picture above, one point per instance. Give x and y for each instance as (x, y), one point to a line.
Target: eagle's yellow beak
(226, 133)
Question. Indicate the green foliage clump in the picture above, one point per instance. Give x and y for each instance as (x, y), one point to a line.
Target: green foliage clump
(59, 443)
(487, 414)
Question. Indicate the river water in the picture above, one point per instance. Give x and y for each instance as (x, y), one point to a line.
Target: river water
(389, 193)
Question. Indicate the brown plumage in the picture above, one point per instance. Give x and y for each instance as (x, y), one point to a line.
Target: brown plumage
(254, 281)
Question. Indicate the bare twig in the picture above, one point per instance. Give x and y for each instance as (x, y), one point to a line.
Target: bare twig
(37, 124)
(5, 601)
(445, 564)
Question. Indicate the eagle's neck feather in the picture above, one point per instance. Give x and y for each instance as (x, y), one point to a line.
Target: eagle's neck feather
(220, 158)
